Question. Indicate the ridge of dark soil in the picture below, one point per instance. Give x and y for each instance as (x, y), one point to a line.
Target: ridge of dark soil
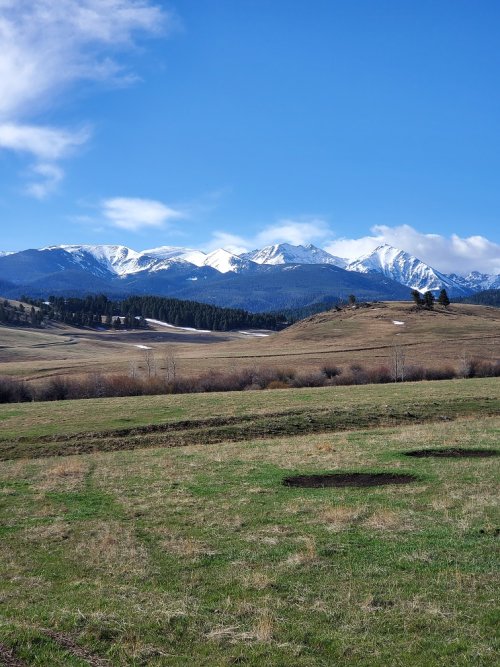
(452, 453)
(340, 479)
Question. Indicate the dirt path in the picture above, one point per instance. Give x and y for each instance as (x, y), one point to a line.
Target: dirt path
(77, 651)
(8, 658)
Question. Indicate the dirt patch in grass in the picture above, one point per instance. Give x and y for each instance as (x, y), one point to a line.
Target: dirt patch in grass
(340, 479)
(452, 453)
(8, 659)
(76, 651)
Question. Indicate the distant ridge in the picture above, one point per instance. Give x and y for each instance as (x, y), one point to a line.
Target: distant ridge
(276, 276)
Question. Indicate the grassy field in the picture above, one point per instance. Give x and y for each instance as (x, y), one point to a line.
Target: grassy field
(154, 554)
(353, 336)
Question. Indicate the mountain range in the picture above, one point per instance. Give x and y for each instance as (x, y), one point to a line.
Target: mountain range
(277, 276)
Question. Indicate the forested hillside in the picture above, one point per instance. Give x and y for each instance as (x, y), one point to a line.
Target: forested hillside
(489, 297)
(17, 314)
(131, 313)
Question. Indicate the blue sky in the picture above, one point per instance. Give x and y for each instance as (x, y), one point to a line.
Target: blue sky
(239, 123)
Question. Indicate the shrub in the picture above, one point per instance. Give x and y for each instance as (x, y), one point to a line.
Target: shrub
(330, 370)
(308, 380)
(278, 384)
(14, 391)
(442, 373)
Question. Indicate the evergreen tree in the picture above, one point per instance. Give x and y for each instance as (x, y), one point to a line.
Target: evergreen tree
(417, 298)
(429, 299)
(443, 298)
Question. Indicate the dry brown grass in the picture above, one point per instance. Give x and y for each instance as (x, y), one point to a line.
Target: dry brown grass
(364, 336)
(68, 474)
(113, 547)
(308, 554)
(264, 626)
(339, 517)
(187, 547)
(385, 519)
(46, 535)
(257, 580)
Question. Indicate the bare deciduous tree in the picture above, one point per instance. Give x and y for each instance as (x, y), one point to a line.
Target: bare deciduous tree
(398, 358)
(170, 362)
(132, 368)
(150, 362)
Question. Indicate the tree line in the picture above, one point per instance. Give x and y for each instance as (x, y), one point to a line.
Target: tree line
(131, 313)
(13, 315)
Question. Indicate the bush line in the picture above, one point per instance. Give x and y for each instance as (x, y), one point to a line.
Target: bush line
(96, 385)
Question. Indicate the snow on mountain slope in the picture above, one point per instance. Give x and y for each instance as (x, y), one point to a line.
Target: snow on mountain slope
(111, 261)
(225, 261)
(122, 261)
(406, 269)
(476, 281)
(284, 253)
(116, 259)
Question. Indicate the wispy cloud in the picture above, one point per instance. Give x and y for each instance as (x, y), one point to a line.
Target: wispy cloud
(46, 46)
(287, 230)
(448, 254)
(45, 143)
(48, 176)
(138, 214)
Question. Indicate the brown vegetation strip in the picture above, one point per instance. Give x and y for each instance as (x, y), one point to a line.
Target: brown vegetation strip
(77, 651)
(8, 658)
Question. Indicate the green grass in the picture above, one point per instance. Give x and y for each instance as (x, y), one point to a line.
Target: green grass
(35, 420)
(199, 555)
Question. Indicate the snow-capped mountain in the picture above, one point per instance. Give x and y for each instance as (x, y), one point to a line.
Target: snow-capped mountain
(100, 259)
(122, 261)
(284, 253)
(281, 271)
(476, 281)
(407, 270)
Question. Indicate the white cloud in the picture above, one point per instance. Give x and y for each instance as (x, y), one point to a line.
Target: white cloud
(137, 214)
(295, 232)
(47, 45)
(447, 254)
(45, 143)
(452, 254)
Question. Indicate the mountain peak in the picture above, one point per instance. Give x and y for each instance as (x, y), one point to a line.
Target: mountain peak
(405, 269)
(224, 261)
(285, 253)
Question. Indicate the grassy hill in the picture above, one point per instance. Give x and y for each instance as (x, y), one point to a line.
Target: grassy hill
(364, 335)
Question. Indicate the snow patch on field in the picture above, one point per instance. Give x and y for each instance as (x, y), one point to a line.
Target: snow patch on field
(171, 326)
(143, 347)
(398, 322)
(253, 333)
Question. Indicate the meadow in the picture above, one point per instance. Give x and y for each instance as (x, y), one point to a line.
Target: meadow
(157, 530)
